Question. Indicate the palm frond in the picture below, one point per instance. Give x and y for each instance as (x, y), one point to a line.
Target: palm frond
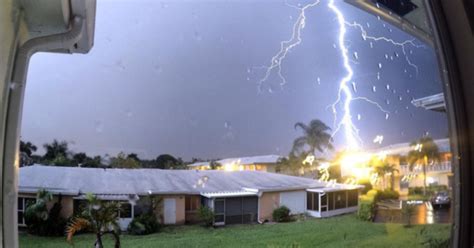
(75, 226)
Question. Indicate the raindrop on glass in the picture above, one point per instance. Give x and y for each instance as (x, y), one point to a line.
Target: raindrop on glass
(386, 56)
(248, 70)
(380, 65)
(386, 116)
(387, 102)
(359, 117)
(13, 86)
(400, 98)
(248, 79)
(368, 25)
(354, 88)
(374, 89)
(388, 86)
(356, 56)
(396, 54)
(334, 45)
(378, 75)
(99, 127)
(371, 44)
(319, 80)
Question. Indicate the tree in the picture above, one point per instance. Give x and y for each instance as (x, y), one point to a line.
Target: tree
(315, 137)
(80, 158)
(133, 156)
(55, 149)
(424, 152)
(122, 161)
(43, 221)
(94, 162)
(214, 165)
(26, 153)
(166, 161)
(99, 216)
(385, 169)
(27, 147)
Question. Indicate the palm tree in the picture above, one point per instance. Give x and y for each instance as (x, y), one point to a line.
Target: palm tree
(99, 216)
(386, 169)
(425, 151)
(55, 149)
(315, 137)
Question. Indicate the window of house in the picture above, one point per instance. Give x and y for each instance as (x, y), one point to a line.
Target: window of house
(352, 198)
(125, 210)
(192, 203)
(23, 203)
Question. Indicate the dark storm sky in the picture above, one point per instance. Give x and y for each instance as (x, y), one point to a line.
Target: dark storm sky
(181, 78)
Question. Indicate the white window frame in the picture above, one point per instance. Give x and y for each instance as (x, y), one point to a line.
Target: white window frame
(23, 210)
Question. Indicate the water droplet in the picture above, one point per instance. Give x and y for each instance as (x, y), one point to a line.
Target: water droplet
(387, 102)
(248, 79)
(400, 98)
(383, 25)
(380, 65)
(368, 25)
(394, 91)
(248, 70)
(388, 86)
(291, 17)
(378, 6)
(197, 36)
(359, 117)
(405, 71)
(406, 107)
(386, 56)
(99, 126)
(13, 86)
(334, 45)
(390, 30)
(386, 116)
(408, 91)
(378, 18)
(378, 75)
(391, 58)
(374, 89)
(227, 125)
(319, 80)
(354, 88)
(356, 57)
(396, 54)
(411, 51)
(371, 44)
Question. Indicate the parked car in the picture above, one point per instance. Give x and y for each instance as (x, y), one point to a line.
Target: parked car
(441, 199)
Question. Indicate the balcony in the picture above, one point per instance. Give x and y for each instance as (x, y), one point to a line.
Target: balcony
(444, 166)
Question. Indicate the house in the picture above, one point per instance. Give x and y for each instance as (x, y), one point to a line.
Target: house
(235, 197)
(437, 173)
(267, 163)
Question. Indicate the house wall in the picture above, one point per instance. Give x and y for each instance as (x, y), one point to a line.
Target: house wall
(180, 208)
(267, 203)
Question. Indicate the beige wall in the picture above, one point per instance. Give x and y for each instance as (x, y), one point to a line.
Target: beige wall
(268, 202)
(180, 208)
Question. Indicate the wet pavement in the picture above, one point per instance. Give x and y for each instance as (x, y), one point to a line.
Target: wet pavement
(424, 214)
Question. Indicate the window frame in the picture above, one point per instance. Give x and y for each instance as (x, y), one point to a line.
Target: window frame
(23, 210)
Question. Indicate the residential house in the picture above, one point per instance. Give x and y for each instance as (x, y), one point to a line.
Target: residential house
(235, 197)
(266, 163)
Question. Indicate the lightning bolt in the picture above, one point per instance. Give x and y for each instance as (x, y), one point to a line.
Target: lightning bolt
(344, 95)
(286, 46)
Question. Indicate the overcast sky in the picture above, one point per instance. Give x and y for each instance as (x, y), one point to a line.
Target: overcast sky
(181, 78)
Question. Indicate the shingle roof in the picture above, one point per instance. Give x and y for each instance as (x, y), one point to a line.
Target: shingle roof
(153, 181)
(264, 159)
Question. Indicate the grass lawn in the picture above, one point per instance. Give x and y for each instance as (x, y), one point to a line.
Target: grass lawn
(419, 197)
(343, 231)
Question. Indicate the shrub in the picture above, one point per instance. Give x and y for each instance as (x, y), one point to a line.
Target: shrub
(387, 194)
(366, 210)
(144, 224)
(41, 221)
(415, 190)
(206, 215)
(367, 186)
(281, 214)
(408, 210)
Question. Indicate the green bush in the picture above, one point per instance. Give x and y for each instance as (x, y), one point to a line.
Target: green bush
(281, 214)
(143, 224)
(415, 190)
(367, 186)
(429, 190)
(43, 222)
(387, 194)
(366, 210)
(206, 215)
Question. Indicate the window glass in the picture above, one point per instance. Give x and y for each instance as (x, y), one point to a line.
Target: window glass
(193, 100)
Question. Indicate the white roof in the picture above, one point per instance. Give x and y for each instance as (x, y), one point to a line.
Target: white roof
(264, 159)
(335, 187)
(403, 148)
(75, 180)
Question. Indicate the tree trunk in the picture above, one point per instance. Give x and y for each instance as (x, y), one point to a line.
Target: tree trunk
(98, 241)
(117, 239)
(424, 179)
